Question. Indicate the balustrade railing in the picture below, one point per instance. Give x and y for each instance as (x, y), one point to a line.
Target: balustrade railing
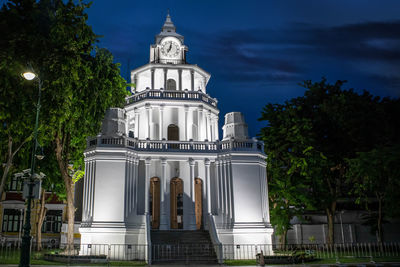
(176, 146)
(172, 95)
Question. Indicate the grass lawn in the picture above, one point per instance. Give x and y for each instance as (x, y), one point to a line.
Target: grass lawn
(44, 262)
(318, 261)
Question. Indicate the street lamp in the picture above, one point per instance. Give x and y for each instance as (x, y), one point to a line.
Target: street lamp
(26, 238)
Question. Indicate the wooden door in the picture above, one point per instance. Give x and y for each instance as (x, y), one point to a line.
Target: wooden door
(155, 202)
(198, 202)
(176, 193)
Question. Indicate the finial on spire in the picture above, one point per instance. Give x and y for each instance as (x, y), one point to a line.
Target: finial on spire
(168, 25)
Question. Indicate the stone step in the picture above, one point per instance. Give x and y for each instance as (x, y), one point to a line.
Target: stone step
(182, 246)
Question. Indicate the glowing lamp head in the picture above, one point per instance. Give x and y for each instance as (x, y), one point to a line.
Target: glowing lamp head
(29, 75)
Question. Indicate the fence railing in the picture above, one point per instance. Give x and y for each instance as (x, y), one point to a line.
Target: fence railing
(207, 252)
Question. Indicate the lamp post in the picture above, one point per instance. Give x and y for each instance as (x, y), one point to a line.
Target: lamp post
(26, 238)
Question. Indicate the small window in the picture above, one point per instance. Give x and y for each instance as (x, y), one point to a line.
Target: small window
(53, 221)
(12, 220)
(15, 184)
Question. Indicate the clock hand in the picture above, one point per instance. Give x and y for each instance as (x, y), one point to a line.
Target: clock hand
(170, 47)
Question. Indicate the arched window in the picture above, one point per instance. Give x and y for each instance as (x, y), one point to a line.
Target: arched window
(171, 84)
(173, 132)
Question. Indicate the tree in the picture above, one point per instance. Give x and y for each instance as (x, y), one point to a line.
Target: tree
(80, 81)
(288, 192)
(16, 115)
(338, 124)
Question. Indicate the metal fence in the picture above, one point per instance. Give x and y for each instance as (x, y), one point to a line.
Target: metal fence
(207, 252)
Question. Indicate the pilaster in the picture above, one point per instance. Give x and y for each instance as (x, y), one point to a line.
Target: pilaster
(163, 187)
(147, 185)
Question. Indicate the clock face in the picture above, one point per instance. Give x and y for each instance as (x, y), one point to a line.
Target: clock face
(170, 49)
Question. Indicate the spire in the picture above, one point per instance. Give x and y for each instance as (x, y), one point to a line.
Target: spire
(168, 29)
(168, 25)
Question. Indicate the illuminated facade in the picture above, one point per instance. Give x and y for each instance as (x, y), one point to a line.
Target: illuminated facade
(159, 162)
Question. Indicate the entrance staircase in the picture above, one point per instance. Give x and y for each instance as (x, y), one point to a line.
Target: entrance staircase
(182, 247)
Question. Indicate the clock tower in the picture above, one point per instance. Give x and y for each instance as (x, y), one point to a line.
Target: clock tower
(168, 47)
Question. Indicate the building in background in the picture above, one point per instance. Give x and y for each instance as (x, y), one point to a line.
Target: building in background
(12, 207)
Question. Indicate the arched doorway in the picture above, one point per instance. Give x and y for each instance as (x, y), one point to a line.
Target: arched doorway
(155, 202)
(176, 203)
(171, 84)
(173, 132)
(198, 204)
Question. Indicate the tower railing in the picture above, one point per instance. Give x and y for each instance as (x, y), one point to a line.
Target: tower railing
(171, 95)
(176, 146)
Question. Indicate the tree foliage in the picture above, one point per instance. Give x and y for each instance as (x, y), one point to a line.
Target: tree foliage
(309, 140)
(80, 81)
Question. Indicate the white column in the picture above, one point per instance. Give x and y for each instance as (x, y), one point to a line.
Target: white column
(180, 79)
(186, 108)
(219, 192)
(208, 192)
(127, 188)
(152, 78)
(204, 83)
(227, 192)
(136, 182)
(224, 189)
(165, 78)
(161, 121)
(199, 123)
(147, 186)
(136, 123)
(91, 189)
(216, 130)
(85, 194)
(192, 225)
(192, 79)
(208, 126)
(163, 186)
(148, 111)
(231, 206)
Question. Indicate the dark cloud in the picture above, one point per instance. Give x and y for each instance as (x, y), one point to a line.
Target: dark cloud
(297, 52)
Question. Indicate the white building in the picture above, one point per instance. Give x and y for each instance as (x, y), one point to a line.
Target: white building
(164, 147)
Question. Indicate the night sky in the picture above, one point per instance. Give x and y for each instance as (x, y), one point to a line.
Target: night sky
(258, 51)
